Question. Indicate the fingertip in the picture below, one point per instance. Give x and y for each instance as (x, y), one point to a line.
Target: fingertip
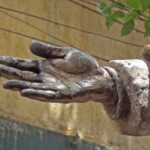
(25, 92)
(11, 85)
(39, 48)
(7, 84)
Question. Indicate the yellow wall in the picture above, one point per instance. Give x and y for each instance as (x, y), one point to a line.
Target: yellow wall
(87, 120)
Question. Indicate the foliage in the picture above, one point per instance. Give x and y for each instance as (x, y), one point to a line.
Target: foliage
(127, 12)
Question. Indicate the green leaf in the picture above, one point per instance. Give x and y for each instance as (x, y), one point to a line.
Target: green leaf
(135, 4)
(147, 12)
(102, 5)
(145, 4)
(147, 26)
(109, 22)
(104, 9)
(127, 28)
(130, 16)
(117, 14)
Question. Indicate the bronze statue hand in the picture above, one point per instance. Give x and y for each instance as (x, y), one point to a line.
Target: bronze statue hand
(68, 75)
(65, 75)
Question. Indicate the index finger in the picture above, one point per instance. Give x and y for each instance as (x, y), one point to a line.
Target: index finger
(48, 50)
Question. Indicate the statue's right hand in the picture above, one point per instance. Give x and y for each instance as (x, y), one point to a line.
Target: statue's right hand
(65, 75)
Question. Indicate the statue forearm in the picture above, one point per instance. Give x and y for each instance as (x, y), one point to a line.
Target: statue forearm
(130, 112)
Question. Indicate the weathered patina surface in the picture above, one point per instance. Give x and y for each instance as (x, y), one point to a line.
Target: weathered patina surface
(67, 75)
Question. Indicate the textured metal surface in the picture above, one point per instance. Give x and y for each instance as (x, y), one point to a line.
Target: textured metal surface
(19, 136)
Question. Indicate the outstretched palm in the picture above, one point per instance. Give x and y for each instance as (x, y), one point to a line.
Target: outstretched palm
(65, 75)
